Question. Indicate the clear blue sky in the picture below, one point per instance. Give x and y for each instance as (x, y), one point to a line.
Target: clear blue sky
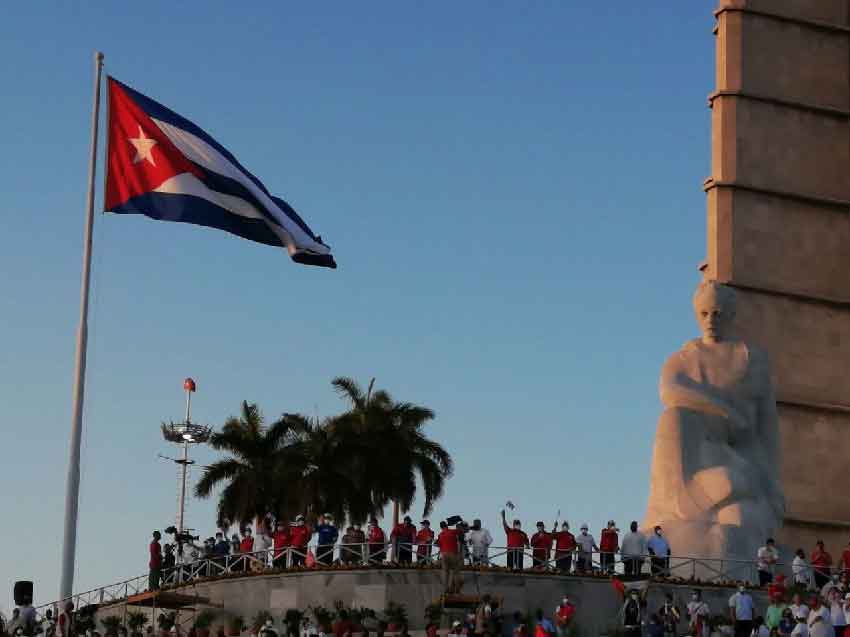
(513, 194)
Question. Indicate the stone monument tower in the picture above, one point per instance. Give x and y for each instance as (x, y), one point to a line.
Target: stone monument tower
(779, 233)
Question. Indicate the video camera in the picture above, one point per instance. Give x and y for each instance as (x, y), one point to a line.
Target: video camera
(182, 537)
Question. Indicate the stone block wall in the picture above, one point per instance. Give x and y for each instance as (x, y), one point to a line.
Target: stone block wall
(779, 231)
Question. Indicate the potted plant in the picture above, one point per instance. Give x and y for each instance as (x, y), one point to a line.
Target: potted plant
(165, 622)
(202, 623)
(292, 622)
(136, 622)
(235, 626)
(396, 616)
(111, 624)
(260, 620)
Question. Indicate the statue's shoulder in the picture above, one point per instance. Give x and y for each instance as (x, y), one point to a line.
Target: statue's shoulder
(681, 358)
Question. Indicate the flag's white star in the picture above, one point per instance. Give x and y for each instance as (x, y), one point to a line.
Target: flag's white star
(144, 146)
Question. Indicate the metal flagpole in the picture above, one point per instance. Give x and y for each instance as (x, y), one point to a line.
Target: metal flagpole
(72, 485)
(181, 510)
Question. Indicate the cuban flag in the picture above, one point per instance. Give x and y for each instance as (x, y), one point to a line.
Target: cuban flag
(161, 165)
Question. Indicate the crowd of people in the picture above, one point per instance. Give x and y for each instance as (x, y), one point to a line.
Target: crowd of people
(281, 544)
(820, 614)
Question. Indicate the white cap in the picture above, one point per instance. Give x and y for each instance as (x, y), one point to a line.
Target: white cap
(455, 623)
(584, 527)
(299, 517)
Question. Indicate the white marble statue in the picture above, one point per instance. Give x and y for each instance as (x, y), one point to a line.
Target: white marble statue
(715, 487)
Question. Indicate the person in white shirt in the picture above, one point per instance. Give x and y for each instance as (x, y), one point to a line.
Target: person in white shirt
(819, 620)
(801, 629)
(586, 546)
(262, 545)
(801, 569)
(698, 616)
(632, 549)
(836, 611)
(741, 610)
(479, 541)
(798, 608)
(766, 557)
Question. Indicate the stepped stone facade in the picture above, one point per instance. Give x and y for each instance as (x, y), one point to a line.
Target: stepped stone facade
(779, 232)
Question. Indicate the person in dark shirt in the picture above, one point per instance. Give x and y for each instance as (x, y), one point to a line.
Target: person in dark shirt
(327, 536)
(155, 563)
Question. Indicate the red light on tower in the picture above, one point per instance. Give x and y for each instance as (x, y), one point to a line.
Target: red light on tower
(189, 384)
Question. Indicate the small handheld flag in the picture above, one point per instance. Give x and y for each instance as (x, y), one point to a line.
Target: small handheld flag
(161, 165)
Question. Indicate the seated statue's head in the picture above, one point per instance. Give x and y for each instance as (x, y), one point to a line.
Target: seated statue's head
(714, 306)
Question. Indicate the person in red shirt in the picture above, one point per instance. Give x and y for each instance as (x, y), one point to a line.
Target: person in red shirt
(299, 538)
(845, 560)
(403, 537)
(377, 542)
(565, 545)
(155, 563)
(448, 541)
(541, 544)
(564, 614)
(609, 544)
(424, 540)
(343, 626)
(821, 562)
(282, 541)
(517, 541)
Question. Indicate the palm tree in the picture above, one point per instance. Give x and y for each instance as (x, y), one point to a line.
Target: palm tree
(259, 461)
(389, 448)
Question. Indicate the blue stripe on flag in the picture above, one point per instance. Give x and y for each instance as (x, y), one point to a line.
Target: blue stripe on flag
(195, 210)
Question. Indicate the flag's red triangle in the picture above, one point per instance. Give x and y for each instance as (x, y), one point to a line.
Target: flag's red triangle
(140, 157)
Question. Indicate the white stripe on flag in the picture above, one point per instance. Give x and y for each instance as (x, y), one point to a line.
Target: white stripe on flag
(188, 184)
(198, 151)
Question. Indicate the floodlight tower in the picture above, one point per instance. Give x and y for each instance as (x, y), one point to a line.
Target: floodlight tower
(185, 433)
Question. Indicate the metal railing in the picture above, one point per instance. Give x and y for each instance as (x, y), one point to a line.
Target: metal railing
(371, 555)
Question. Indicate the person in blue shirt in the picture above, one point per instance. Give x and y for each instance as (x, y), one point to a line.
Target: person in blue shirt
(327, 536)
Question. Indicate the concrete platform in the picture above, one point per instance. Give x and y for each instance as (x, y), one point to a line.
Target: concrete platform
(596, 599)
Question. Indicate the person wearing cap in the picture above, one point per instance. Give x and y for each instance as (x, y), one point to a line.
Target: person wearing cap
(565, 544)
(448, 542)
(403, 537)
(766, 557)
(742, 612)
(221, 548)
(282, 541)
(424, 542)
(358, 550)
(564, 613)
(517, 540)
(633, 550)
(457, 628)
(821, 563)
(609, 544)
(541, 544)
(326, 537)
(586, 546)
(155, 562)
(659, 550)
(377, 542)
(299, 537)
(479, 541)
